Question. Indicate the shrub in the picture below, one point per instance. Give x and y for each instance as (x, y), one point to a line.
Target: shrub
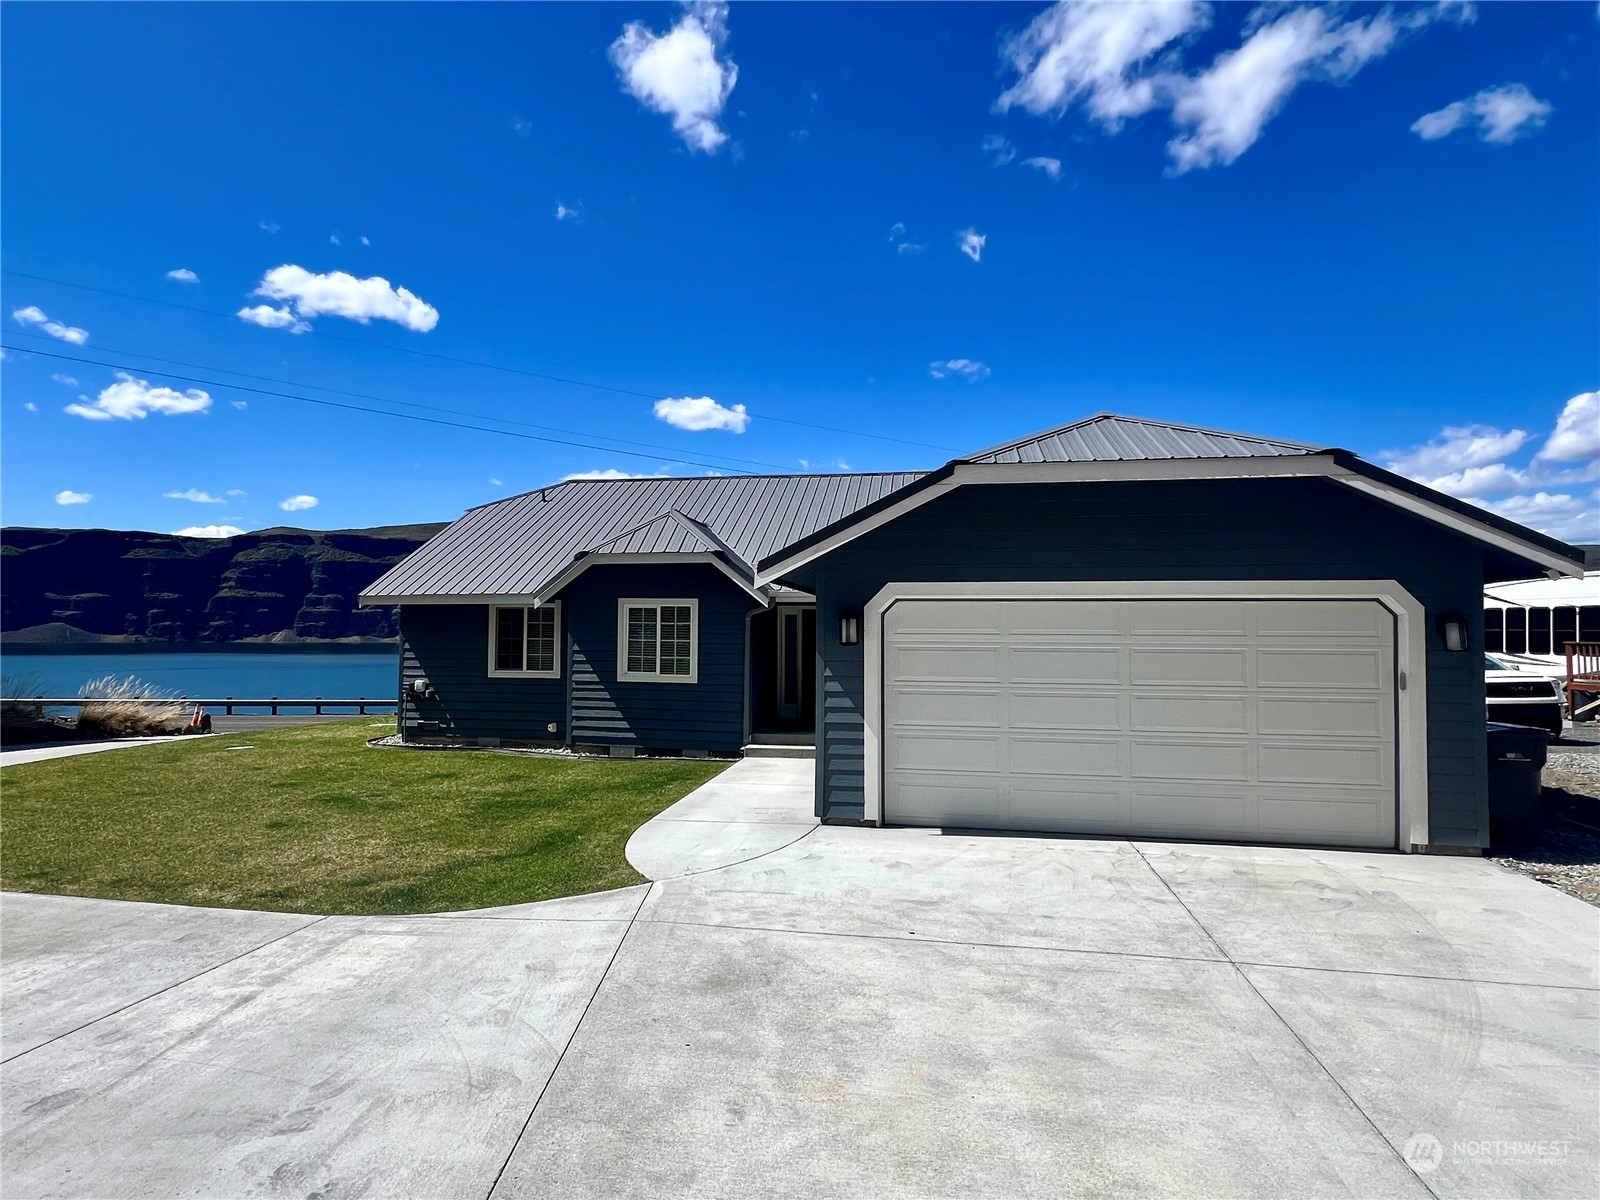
(15, 697)
(130, 708)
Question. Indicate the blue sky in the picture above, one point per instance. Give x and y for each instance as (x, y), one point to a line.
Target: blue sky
(1358, 225)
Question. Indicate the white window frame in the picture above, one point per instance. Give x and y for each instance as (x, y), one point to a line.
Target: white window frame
(494, 633)
(628, 676)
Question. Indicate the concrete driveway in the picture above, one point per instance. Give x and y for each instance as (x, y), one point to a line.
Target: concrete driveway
(834, 1012)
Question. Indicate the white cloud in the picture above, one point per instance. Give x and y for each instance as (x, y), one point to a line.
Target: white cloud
(903, 244)
(31, 406)
(298, 503)
(1571, 518)
(235, 492)
(1469, 462)
(1091, 53)
(365, 240)
(273, 318)
(68, 496)
(999, 150)
(972, 243)
(1455, 449)
(130, 399)
(1501, 115)
(493, 482)
(607, 473)
(958, 368)
(701, 413)
(183, 275)
(34, 317)
(239, 403)
(195, 495)
(1118, 60)
(1225, 108)
(307, 294)
(1577, 433)
(333, 239)
(1050, 166)
(270, 226)
(521, 126)
(678, 73)
(563, 213)
(208, 531)
(68, 380)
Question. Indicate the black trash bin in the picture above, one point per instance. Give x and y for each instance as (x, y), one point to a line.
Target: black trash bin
(1516, 758)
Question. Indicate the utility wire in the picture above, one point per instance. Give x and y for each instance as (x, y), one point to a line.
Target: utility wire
(465, 362)
(454, 412)
(239, 387)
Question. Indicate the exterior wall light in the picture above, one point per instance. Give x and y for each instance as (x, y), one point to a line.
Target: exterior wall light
(1453, 631)
(849, 629)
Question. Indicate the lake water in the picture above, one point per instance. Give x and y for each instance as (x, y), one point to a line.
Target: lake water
(252, 674)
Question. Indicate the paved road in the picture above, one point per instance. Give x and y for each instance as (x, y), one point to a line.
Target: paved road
(854, 1012)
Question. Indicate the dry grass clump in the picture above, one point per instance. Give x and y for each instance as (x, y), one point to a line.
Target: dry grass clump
(130, 708)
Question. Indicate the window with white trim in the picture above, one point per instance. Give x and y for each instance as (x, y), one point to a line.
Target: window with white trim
(524, 641)
(658, 640)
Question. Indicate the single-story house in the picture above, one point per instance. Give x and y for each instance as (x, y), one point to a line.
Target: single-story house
(1119, 627)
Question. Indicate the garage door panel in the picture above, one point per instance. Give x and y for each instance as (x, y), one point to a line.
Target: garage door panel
(974, 663)
(1356, 765)
(943, 616)
(1178, 714)
(1245, 720)
(1178, 665)
(1188, 617)
(1353, 668)
(940, 751)
(1066, 757)
(1032, 708)
(1323, 715)
(1079, 618)
(1174, 759)
(1332, 817)
(1191, 811)
(1063, 664)
(956, 706)
(1313, 620)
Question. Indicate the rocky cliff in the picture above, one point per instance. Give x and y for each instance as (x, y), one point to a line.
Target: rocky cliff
(58, 585)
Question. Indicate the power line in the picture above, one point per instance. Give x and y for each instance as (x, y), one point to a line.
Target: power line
(455, 412)
(239, 387)
(465, 362)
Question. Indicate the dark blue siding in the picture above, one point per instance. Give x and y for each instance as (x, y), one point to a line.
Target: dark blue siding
(706, 715)
(1245, 529)
(449, 646)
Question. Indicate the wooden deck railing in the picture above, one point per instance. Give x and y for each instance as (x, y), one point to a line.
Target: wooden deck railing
(227, 703)
(1583, 677)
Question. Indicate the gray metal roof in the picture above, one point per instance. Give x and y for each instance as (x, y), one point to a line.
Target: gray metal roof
(514, 546)
(1107, 437)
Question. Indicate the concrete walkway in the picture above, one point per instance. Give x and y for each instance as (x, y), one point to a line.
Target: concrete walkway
(756, 806)
(12, 758)
(856, 1012)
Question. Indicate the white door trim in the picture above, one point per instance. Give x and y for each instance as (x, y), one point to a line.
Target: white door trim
(1411, 694)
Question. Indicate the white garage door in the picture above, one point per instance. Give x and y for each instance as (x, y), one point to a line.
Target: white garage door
(1236, 720)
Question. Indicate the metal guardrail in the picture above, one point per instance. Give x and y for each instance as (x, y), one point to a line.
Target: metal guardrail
(227, 703)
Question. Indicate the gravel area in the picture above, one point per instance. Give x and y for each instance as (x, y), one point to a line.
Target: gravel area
(1565, 857)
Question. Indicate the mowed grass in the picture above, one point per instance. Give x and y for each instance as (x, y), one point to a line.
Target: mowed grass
(311, 819)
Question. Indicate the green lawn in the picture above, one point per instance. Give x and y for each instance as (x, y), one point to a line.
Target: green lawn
(313, 820)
